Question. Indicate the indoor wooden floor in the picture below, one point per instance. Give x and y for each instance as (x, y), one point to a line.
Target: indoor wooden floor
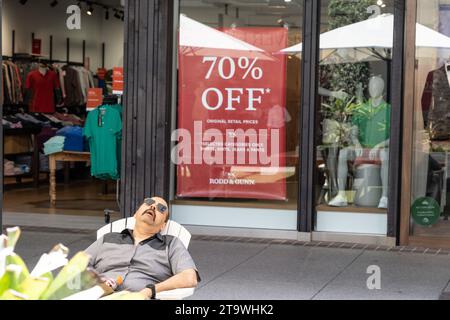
(77, 198)
(441, 229)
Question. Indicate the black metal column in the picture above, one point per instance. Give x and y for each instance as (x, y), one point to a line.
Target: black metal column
(311, 32)
(396, 119)
(147, 101)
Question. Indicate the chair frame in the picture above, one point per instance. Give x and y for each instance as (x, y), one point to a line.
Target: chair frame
(173, 229)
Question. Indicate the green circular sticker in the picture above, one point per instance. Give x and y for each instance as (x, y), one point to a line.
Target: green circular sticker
(426, 211)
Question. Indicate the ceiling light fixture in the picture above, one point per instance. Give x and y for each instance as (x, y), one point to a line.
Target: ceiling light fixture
(90, 9)
(54, 3)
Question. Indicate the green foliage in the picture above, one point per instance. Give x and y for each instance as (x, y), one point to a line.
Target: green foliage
(73, 278)
(347, 76)
(344, 12)
(340, 110)
(16, 282)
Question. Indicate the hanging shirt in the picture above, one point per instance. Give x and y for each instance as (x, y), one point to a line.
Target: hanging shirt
(42, 87)
(374, 123)
(103, 130)
(74, 95)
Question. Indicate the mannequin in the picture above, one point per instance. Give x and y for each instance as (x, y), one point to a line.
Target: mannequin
(43, 69)
(435, 102)
(333, 139)
(41, 85)
(370, 132)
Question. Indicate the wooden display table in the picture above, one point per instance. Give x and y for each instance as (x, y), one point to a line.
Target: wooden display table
(66, 156)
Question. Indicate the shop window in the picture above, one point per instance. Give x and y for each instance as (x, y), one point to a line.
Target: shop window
(353, 112)
(431, 141)
(62, 113)
(238, 106)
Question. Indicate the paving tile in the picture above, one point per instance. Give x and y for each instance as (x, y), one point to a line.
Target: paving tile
(229, 289)
(403, 276)
(214, 258)
(295, 264)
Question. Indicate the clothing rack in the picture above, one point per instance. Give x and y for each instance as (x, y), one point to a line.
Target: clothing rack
(111, 99)
(20, 57)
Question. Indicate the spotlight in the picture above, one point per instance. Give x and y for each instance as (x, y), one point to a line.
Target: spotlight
(23, 1)
(54, 3)
(116, 14)
(107, 14)
(123, 16)
(90, 9)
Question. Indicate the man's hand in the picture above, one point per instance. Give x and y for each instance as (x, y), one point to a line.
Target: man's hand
(110, 283)
(147, 293)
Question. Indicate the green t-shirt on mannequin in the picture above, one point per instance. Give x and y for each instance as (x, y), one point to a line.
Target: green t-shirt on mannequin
(373, 123)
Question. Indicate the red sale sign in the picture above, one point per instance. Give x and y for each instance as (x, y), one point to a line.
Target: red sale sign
(231, 137)
(36, 47)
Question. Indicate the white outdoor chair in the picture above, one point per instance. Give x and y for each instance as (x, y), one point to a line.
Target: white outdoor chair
(172, 229)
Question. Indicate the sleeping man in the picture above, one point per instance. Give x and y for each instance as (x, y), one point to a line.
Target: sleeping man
(142, 259)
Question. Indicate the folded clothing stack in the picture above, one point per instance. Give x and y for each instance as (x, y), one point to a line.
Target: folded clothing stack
(11, 169)
(74, 138)
(54, 145)
(12, 125)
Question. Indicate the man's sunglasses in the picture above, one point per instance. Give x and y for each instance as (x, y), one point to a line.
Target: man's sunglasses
(160, 207)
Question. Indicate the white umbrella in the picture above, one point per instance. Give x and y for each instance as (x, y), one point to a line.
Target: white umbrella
(376, 33)
(202, 40)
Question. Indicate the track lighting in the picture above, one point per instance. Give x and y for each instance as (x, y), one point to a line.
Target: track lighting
(90, 9)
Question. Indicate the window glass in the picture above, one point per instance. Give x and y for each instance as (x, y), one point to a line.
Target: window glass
(353, 108)
(430, 211)
(238, 103)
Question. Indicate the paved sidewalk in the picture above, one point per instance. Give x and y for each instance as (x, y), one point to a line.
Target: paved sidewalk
(237, 270)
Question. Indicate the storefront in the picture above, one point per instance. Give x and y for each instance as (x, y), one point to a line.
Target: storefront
(58, 60)
(290, 119)
(425, 210)
(323, 111)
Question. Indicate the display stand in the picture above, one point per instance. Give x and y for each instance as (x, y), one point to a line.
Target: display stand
(34, 153)
(65, 156)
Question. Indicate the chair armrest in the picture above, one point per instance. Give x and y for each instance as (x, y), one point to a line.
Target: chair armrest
(177, 294)
(94, 293)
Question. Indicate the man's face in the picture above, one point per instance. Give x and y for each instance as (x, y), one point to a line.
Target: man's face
(151, 215)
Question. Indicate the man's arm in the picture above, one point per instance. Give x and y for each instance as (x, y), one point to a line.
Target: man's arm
(183, 268)
(93, 251)
(185, 279)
